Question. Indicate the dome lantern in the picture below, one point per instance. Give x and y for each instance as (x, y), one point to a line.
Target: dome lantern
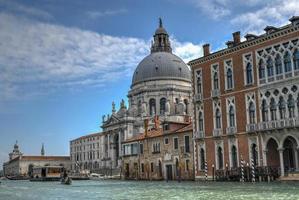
(161, 40)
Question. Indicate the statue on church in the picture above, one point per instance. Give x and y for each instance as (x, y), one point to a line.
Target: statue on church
(113, 107)
(167, 107)
(181, 107)
(122, 104)
(144, 109)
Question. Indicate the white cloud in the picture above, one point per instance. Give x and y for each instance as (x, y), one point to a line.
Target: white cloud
(186, 50)
(97, 14)
(275, 13)
(215, 9)
(24, 10)
(38, 58)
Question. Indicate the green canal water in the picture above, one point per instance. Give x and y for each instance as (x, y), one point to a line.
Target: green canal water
(108, 189)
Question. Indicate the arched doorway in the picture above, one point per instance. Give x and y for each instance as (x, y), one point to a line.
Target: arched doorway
(254, 154)
(160, 169)
(220, 158)
(30, 170)
(289, 153)
(234, 157)
(272, 153)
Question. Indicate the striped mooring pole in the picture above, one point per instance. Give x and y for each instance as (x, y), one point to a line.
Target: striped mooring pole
(242, 170)
(252, 171)
(206, 170)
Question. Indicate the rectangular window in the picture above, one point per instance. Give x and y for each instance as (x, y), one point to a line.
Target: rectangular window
(166, 141)
(141, 148)
(152, 167)
(187, 165)
(187, 144)
(142, 167)
(176, 143)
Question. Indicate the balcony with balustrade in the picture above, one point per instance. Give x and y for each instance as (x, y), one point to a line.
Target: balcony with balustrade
(279, 124)
(215, 93)
(198, 97)
(217, 132)
(251, 128)
(198, 135)
(231, 130)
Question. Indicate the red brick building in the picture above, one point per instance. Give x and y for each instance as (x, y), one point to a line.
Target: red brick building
(246, 103)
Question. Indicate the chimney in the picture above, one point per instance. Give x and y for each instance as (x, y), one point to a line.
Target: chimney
(206, 49)
(237, 37)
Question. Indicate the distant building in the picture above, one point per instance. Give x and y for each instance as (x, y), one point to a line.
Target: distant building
(247, 103)
(87, 153)
(22, 165)
(161, 86)
(163, 152)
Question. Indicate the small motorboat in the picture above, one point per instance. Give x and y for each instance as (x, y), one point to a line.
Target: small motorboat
(66, 181)
(95, 177)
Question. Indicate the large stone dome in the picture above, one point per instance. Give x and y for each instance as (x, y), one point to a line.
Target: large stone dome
(159, 66)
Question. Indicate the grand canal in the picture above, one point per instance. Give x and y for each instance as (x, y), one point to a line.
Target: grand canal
(25, 190)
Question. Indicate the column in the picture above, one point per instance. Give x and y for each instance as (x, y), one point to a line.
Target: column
(296, 158)
(281, 161)
(108, 150)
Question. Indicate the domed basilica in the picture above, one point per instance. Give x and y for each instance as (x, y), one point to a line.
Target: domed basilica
(161, 86)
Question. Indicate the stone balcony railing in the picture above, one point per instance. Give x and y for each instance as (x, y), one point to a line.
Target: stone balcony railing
(198, 135)
(279, 124)
(231, 130)
(215, 93)
(251, 128)
(198, 97)
(217, 132)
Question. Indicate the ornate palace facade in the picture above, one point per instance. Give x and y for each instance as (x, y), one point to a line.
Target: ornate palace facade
(247, 104)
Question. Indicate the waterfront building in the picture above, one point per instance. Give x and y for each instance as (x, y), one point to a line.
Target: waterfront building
(162, 152)
(22, 165)
(87, 153)
(247, 103)
(161, 86)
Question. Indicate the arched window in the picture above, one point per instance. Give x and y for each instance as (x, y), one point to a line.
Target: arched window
(231, 116)
(218, 118)
(296, 59)
(251, 113)
(200, 121)
(270, 70)
(139, 107)
(273, 109)
(249, 78)
(278, 64)
(152, 105)
(186, 105)
(216, 81)
(198, 84)
(229, 78)
(287, 62)
(234, 157)
(282, 108)
(220, 158)
(254, 154)
(162, 106)
(291, 106)
(262, 70)
(202, 159)
(264, 111)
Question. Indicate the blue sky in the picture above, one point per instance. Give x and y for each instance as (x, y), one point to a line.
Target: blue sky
(62, 63)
